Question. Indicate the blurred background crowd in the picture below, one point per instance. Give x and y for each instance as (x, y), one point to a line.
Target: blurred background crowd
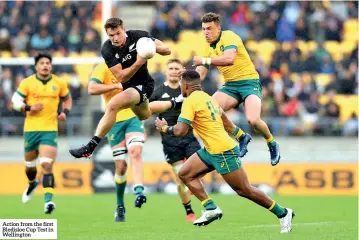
(305, 52)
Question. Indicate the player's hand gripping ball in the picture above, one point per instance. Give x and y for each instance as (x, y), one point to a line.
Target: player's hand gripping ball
(146, 47)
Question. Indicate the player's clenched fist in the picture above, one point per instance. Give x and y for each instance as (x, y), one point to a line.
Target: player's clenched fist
(197, 61)
(61, 117)
(37, 107)
(160, 123)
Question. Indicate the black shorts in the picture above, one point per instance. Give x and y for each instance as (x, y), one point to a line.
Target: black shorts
(178, 148)
(145, 91)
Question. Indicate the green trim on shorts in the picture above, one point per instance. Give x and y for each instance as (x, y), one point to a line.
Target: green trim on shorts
(241, 89)
(205, 65)
(32, 140)
(118, 132)
(96, 80)
(225, 162)
(186, 121)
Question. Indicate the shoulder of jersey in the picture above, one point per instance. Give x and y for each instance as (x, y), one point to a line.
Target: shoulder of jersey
(229, 33)
(29, 78)
(57, 78)
(107, 44)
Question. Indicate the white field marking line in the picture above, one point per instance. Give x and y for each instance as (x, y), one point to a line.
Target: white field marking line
(297, 224)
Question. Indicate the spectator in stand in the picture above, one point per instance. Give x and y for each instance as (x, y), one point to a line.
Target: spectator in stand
(5, 44)
(41, 40)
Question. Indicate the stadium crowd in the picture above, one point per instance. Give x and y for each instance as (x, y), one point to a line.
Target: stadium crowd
(305, 91)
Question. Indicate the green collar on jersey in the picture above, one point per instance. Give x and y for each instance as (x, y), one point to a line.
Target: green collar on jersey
(44, 81)
(213, 45)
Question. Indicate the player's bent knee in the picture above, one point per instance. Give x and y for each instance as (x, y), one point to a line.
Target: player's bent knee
(30, 164)
(144, 116)
(121, 167)
(135, 145)
(120, 153)
(244, 191)
(46, 163)
(135, 154)
(253, 120)
(111, 108)
(182, 175)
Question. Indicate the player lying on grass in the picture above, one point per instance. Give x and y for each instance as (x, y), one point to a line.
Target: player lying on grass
(39, 95)
(220, 153)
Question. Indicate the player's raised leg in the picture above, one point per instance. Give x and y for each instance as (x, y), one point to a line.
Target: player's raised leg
(252, 108)
(227, 102)
(189, 174)
(134, 142)
(123, 100)
(238, 180)
(31, 172)
(47, 159)
(183, 192)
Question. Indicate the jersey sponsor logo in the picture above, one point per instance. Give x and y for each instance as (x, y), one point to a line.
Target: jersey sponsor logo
(54, 88)
(165, 95)
(127, 57)
(131, 49)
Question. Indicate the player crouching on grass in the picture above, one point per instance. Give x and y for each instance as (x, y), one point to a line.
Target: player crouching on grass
(39, 95)
(220, 153)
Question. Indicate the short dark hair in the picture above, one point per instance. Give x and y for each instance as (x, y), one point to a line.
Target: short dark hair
(191, 76)
(211, 17)
(174, 60)
(43, 55)
(113, 23)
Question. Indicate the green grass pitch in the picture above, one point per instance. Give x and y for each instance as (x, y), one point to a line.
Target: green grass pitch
(162, 217)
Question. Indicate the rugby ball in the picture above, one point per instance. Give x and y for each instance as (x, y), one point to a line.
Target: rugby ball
(146, 47)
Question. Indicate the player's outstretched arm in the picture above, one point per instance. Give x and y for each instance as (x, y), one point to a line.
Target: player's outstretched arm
(178, 130)
(162, 48)
(160, 106)
(227, 59)
(95, 88)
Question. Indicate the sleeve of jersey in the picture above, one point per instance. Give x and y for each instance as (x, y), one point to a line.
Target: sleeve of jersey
(231, 41)
(97, 75)
(187, 113)
(65, 92)
(22, 89)
(109, 56)
(139, 34)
